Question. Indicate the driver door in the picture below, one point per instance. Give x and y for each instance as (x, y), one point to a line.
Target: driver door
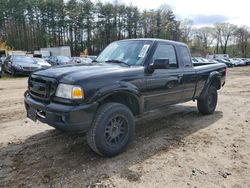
(164, 86)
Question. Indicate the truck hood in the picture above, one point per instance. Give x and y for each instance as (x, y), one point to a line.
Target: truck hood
(73, 73)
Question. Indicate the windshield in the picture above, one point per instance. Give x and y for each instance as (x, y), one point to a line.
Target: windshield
(131, 52)
(23, 59)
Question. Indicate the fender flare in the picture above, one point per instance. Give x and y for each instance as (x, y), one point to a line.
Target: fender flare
(119, 87)
(215, 75)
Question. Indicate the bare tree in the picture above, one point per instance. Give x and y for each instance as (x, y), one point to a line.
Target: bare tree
(242, 35)
(223, 33)
(186, 26)
(207, 35)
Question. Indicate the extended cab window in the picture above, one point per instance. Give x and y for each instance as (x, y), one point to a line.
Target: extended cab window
(165, 51)
(185, 56)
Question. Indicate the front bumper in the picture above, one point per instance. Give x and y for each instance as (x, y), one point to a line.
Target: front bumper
(23, 72)
(64, 117)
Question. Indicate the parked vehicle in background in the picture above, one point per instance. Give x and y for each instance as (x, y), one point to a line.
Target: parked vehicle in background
(75, 60)
(93, 57)
(41, 53)
(58, 51)
(247, 61)
(213, 61)
(58, 60)
(197, 60)
(20, 65)
(240, 62)
(218, 56)
(225, 61)
(201, 59)
(235, 62)
(128, 79)
(42, 62)
(194, 60)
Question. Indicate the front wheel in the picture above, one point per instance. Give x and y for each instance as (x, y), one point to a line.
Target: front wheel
(111, 130)
(208, 103)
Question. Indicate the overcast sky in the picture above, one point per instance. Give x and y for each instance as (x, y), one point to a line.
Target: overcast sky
(202, 12)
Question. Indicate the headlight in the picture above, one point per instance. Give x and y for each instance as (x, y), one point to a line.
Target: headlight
(69, 91)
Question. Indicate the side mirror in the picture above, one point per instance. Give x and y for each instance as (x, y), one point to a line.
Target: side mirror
(78, 61)
(160, 64)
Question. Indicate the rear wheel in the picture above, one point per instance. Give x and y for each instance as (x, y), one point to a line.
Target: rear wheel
(208, 103)
(111, 130)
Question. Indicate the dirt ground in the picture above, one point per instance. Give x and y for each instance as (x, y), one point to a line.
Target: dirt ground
(173, 147)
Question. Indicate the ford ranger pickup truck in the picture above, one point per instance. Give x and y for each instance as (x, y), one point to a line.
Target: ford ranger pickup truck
(128, 79)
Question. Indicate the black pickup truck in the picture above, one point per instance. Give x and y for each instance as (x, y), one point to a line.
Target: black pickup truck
(128, 79)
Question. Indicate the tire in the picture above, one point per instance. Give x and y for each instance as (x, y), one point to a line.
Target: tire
(208, 104)
(112, 129)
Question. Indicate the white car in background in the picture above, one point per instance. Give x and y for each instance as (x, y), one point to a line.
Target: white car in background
(235, 62)
(43, 63)
(240, 62)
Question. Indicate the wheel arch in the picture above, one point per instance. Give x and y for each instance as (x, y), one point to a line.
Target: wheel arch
(127, 98)
(214, 79)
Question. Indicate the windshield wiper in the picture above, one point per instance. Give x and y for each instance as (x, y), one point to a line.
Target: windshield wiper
(117, 61)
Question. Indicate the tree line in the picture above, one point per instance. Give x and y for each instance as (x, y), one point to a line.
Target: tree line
(223, 38)
(86, 26)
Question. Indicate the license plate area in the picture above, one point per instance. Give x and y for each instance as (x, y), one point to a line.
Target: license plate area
(32, 114)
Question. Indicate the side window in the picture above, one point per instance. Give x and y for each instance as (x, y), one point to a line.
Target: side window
(185, 56)
(165, 51)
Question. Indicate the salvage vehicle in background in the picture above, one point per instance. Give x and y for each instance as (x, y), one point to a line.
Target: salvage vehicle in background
(128, 79)
(19, 65)
(58, 60)
(247, 61)
(75, 60)
(240, 62)
(42, 62)
(225, 61)
(92, 57)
